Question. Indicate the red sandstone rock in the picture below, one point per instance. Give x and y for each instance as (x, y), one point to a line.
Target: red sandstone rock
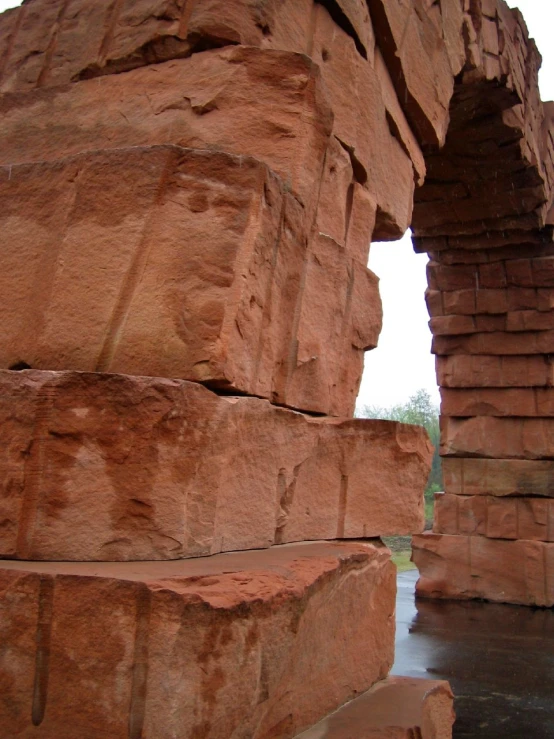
(507, 402)
(496, 518)
(361, 125)
(257, 644)
(247, 101)
(110, 467)
(396, 708)
(465, 567)
(212, 279)
(52, 44)
(479, 371)
(420, 69)
(497, 343)
(498, 438)
(327, 361)
(498, 477)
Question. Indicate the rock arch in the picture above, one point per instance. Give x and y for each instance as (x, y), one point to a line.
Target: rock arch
(189, 190)
(484, 215)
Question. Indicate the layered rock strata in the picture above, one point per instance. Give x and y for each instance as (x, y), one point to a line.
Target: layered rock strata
(189, 190)
(216, 647)
(216, 276)
(484, 215)
(112, 467)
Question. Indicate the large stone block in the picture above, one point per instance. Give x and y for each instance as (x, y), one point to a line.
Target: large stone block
(501, 402)
(254, 644)
(357, 96)
(419, 63)
(395, 708)
(52, 42)
(494, 517)
(466, 567)
(183, 263)
(482, 371)
(499, 477)
(497, 438)
(112, 467)
(243, 100)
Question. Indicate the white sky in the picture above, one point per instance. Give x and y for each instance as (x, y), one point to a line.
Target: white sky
(402, 364)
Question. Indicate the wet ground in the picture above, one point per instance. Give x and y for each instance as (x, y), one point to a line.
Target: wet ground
(499, 660)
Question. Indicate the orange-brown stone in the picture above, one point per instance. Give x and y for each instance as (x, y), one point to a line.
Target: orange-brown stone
(494, 517)
(498, 477)
(395, 708)
(112, 467)
(466, 567)
(205, 268)
(257, 644)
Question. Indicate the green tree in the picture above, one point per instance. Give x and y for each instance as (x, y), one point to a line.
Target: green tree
(421, 411)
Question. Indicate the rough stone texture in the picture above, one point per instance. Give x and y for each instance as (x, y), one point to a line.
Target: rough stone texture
(205, 267)
(511, 402)
(499, 477)
(466, 567)
(110, 467)
(50, 42)
(396, 708)
(471, 371)
(496, 518)
(361, 125)
(495, 172)
(498, 438)
(421, 69)
(124, 36)
(255, 644)
(247, 101)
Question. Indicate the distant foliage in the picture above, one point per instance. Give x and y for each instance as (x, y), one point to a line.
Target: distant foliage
(421, 411)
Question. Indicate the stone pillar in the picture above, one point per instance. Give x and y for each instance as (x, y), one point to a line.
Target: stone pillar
(189, 514)
(484, 216)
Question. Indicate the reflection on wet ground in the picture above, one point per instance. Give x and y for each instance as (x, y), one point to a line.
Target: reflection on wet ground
(499, 660)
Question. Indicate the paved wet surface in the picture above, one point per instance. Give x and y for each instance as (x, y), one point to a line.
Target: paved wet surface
(499, 660)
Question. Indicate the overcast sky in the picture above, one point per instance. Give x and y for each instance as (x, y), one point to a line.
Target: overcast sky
(402, 364)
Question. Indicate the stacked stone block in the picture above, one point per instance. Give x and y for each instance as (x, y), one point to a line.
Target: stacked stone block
(486, 224)
(189, 516)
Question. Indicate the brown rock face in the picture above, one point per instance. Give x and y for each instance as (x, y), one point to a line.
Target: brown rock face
(464, 567)
(499, 477)
(498, 438)
(108, 467)
(496, 518)
(223, 646)
(395, 708)
(206, 269)
(246, 101)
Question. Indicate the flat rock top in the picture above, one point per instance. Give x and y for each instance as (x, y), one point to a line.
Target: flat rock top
(277, 559)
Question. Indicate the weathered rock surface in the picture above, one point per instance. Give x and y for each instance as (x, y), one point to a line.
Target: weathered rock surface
(465, 567)
(498, 438)
(502, 402)
(243, 100)
(257, 644)
(361, 124)
(481, 371)
(206, 269)
(111, 467)
(494, 517)
(499, 477)
(421, 70)
(395, 708)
